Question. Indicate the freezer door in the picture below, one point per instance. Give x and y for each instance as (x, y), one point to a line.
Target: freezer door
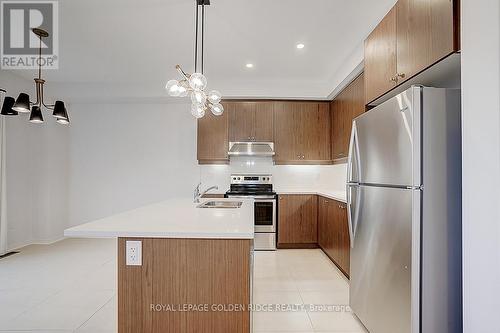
(386, 142)
(383, 293)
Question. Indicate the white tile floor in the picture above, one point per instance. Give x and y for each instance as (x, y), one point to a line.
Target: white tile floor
(70, 286)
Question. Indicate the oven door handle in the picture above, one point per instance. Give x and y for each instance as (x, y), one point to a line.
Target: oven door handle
(256, 198)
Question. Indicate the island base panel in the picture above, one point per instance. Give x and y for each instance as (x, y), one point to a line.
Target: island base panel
(184, 272)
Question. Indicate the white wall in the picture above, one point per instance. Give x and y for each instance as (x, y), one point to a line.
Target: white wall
(124, 156)
(481, 164)
(37, 164)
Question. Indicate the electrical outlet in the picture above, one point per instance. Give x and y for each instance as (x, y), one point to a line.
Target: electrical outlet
(133, 253)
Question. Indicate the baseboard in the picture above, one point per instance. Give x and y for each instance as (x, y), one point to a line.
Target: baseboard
(37, 242)
(331, 259)
(298, 246)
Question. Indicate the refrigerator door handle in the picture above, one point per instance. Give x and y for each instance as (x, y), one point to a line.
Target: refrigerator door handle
(352, 214)
(349, 158)
(349, 214)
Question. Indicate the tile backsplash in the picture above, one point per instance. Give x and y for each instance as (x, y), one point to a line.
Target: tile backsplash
(309, 177)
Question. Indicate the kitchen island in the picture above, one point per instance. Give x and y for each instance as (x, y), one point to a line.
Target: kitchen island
(194, 271)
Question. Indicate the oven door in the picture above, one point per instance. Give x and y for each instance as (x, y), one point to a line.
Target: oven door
(265, 215)
(264, 212)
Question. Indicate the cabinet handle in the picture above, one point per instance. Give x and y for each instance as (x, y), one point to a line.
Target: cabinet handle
(401, 75)
(394, 79)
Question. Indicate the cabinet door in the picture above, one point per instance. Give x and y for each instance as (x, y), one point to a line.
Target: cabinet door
(297, 219)
(212, 138)
(341, 240)
(380, 58)
(302, 133)
(263, 124)
(316, 131)
(325, 225)
(350, 104)
(241, 121)
(339, 116)
(287, 132)
(425, 34)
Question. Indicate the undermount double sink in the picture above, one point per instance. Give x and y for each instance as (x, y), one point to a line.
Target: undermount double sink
(220, 204)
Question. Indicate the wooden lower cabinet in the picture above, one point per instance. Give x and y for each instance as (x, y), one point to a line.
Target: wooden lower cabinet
(333, 232)
(178, 273)
(297, 221)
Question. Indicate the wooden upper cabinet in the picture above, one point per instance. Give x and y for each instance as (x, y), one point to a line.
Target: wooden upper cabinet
(263, 128)
(297, 219)
(302, 133)
(213, 143)
(380, 57)
(241, 120)
(413, 36)
(316, 139)
(425, 34)
(349, 104)
(285, 122)
(250, 121)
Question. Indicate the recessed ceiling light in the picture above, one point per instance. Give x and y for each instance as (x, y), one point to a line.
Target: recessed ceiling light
(300, 46)
(249, 65)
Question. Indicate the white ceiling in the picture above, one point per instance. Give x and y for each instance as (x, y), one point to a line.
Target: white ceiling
(127, 49)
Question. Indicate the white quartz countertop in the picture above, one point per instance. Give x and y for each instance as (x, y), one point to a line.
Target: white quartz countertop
(176, 218)
(331, 194)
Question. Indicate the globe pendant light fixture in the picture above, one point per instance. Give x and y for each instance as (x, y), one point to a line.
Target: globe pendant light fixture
(23, 105)
(194, 85)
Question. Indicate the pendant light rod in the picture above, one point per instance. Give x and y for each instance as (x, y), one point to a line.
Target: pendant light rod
(202, 37)
(40, 59)
(196, 40)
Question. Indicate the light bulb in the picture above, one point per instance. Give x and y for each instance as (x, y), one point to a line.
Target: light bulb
(214, 97)
(183, 88)
(217, 109)
(198, 81)
(198, 97)
(197, 110)
(172, 88)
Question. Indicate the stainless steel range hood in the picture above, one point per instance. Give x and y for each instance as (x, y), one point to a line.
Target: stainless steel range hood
(251, 149)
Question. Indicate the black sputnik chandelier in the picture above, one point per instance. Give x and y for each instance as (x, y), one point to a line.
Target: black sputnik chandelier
(23, 104)
(194, 85)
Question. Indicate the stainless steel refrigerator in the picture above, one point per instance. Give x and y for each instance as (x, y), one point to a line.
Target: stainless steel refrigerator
(404, 209)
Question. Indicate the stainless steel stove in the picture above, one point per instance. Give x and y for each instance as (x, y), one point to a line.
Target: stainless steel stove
(260, 188)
